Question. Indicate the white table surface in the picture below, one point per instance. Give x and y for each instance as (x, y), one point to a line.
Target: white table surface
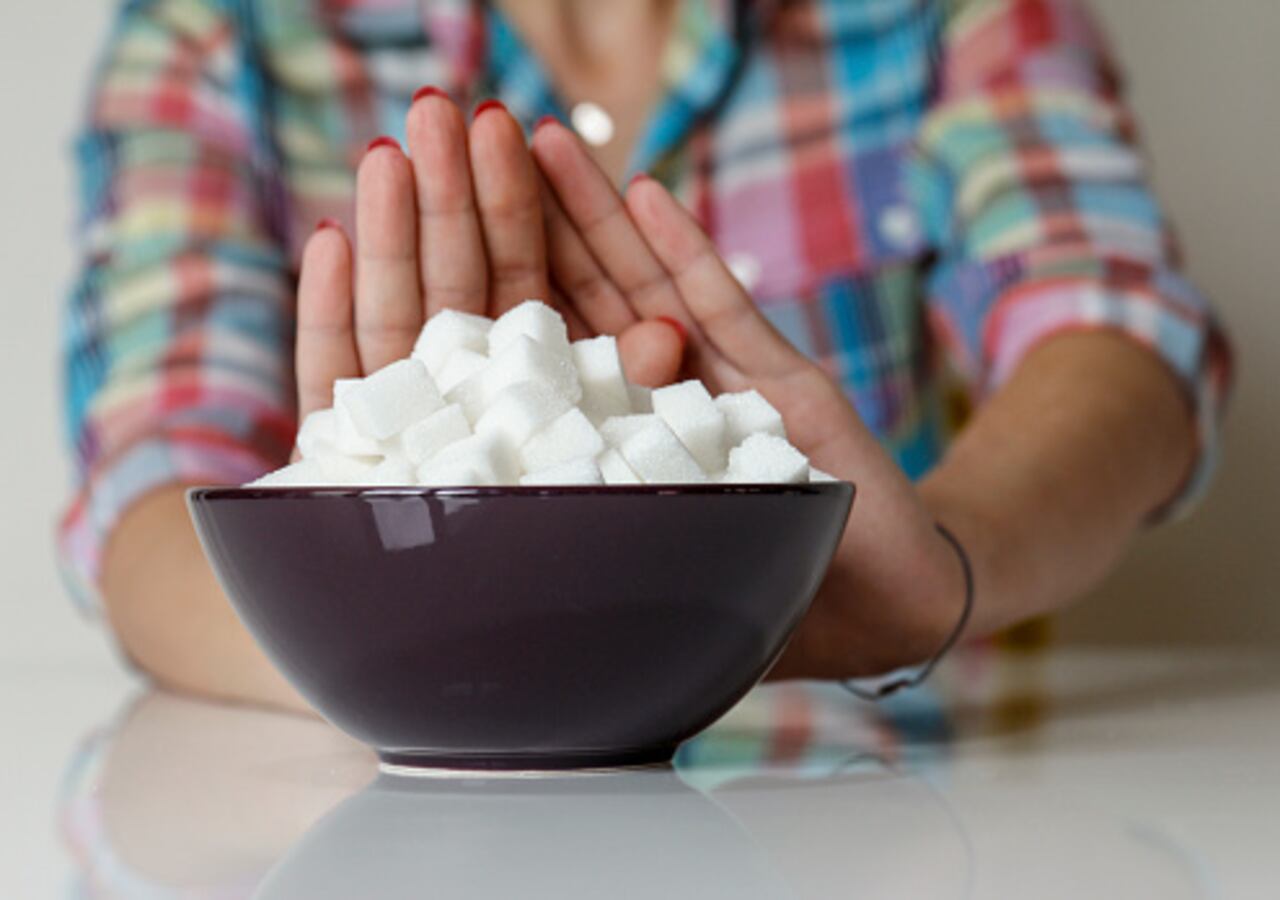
(1077, 775)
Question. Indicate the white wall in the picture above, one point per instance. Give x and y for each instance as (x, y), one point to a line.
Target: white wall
(46, 48)
(1205, 77)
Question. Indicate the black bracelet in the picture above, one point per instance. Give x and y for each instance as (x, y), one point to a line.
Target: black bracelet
(915, 679)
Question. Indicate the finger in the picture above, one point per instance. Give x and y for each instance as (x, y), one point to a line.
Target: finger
(388, 292)
(587, 289)
(506, 191)
(593, 206)
(451, 249)
(577, 328)
(725, 314)
(651, 352)
(326, 344)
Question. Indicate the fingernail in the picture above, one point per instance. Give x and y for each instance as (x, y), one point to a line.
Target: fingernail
(639, 177)
(545, 120)
(486, 106)
(327, 223)
(678, 326)
(383, 141)
(428, 90)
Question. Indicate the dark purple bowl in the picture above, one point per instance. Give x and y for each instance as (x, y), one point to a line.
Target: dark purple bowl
(522, 628)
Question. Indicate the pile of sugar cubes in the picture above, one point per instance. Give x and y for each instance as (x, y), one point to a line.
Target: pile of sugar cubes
(512, 401)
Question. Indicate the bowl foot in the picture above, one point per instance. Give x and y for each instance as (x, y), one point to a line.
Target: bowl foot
(521, 765)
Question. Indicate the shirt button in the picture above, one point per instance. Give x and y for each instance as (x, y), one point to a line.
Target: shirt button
(745, 268)
(899, 225)
(592, 122)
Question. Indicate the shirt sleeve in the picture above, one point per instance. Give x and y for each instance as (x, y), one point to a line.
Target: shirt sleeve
(1039, 198)
(177, 334)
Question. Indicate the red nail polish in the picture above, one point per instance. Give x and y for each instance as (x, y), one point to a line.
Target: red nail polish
(428, 90)
(486, 106)
(383, 141)
(545, 120)
(327, 223)
(677, 325)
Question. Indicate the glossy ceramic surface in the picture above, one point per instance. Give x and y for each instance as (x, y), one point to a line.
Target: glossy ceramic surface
(522, 628)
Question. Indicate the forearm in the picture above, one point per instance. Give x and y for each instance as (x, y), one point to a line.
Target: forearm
(1058, 470)
(1044, 487)
(171, 616)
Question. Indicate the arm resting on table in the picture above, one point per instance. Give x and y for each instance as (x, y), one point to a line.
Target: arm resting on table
(171, 615)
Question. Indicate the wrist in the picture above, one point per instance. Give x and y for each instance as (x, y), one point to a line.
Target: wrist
(170, 616)
(865, 624)
(979, 536)
(944, 605)
(911, 676)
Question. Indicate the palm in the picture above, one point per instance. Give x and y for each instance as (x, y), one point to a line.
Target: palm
(456, 223)
(470, 219)
(643, 255)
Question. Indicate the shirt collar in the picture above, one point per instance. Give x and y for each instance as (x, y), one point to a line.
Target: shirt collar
(700, 63)
(482, 55)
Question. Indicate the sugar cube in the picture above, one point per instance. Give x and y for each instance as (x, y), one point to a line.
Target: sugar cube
(473, 472)
(347, 438)
(532, 319)
(513, 402)
(447, 332)
(487, 453)
(614, 469)
(817, 476)
(524, 359)
(462, 382)
(568, 437)
(318, 472)
(617, 429)
(391, 399)
(576, 471)
(690, 412)
(424, 439)
(641, 398)
(747, 413)
(350, 469)
(393, 471)
(657, 456)
(604, 387)
(469, 396)
(461, 366)
(520, 410)
(305, 472)
(766, 459)
(318, 433)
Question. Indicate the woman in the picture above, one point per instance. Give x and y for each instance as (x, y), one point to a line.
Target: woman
(879, 181)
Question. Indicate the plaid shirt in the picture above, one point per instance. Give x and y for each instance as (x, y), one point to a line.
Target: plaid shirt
(915, 192)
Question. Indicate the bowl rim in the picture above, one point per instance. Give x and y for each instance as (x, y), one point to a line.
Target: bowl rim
(297, 492)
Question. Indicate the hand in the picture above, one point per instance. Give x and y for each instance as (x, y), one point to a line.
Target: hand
(895, 589)
(461, 223)
(456, 224)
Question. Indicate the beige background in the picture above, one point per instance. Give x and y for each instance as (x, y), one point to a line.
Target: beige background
(1205, 78)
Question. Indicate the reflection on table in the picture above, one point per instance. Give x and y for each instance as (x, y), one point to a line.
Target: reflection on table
(188, 799)
(1062, 776)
